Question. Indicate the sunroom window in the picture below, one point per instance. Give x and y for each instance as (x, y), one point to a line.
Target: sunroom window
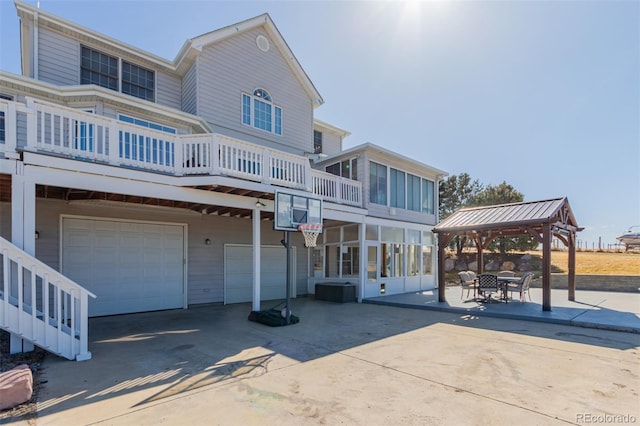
(404, 190)
(259, 111)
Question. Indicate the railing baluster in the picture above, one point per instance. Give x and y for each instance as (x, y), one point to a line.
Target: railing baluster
(45, 306)
(34, 304)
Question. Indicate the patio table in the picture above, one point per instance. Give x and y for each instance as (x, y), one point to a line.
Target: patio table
(504, 285)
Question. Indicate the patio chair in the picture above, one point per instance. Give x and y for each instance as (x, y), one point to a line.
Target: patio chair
(506, 274)
(487, 285)
(522, 286)
(468, 282)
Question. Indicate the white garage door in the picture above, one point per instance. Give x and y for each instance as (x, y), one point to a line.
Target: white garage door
(238, 273)
(129, 266)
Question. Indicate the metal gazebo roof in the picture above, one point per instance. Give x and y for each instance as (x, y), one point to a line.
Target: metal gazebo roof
(512, 218)
(540, 219)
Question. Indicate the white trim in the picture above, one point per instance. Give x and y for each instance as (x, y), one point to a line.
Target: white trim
(185, 235)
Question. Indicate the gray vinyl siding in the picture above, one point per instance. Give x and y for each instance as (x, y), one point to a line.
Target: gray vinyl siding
(205, 263)
(59, 58)
(331, 143)
(168, 90)
(189, 94)
(234, 66)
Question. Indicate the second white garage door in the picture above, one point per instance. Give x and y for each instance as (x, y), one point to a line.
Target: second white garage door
(238, 273)
(129, 266)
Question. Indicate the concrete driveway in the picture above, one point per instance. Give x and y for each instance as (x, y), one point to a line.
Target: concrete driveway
(351, 364)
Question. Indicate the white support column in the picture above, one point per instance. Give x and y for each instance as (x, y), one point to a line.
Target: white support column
(23, 231)
(364, 253)
(256, 259)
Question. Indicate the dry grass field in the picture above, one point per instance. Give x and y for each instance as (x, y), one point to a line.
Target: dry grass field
(587, 262)
(598, 263)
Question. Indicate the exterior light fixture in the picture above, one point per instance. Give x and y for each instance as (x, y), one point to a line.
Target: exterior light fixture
(207, 241)
(260, 204)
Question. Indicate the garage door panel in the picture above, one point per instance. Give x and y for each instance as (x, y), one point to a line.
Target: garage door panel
(238, 267)
(131, 267)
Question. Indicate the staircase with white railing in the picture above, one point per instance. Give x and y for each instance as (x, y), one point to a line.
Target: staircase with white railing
(41, 305)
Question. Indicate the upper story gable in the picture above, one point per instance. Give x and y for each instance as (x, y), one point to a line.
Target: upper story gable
(243, 80)
(250, 85)
(57, 51)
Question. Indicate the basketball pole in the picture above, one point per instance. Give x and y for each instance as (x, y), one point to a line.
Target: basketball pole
(287, 245)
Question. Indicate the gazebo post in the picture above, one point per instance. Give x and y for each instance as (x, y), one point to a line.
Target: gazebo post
(546, 267)
(571, 278)
(480, 254)
(443, 240)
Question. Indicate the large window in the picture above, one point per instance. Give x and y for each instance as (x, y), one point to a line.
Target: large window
(102, 69)
(3, 134)
(405, 191)
(259, 111)
(346, 168)
(137, 81)
(98, 68)
(428, 197)
(145, 123)
(397, 189)
(413, 193)
(378, 183)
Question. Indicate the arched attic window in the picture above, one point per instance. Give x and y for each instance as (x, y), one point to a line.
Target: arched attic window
(259, 111)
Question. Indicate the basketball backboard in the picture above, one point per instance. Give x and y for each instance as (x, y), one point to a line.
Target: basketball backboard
(291, 210)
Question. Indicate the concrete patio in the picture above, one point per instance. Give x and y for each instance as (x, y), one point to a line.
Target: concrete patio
(595, 309)
(356, 364)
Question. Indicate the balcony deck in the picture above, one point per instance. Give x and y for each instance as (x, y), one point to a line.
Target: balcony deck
(51, 129)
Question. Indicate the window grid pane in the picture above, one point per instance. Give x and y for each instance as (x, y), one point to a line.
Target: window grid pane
(378, 183)
(413, 193)
(262, 112)
(2, 129)
(428, 198)
(278, 123)
(246, 109)
(137, 81)
(397, 195)
(317, 142)
(98, 68)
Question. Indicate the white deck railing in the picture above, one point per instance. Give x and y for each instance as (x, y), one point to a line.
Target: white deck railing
(83, 135)
(41, 305)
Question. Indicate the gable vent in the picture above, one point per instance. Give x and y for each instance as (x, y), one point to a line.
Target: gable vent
(262, 43)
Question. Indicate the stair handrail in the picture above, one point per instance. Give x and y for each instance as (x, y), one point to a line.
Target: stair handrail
(29, 262)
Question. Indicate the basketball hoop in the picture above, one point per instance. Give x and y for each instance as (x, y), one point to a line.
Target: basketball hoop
(310, 232)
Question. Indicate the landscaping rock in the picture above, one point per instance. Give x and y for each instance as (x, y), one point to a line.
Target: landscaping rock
(508, 266)
(492, 266)
(461, 265)
(449, 264)
(16, 386)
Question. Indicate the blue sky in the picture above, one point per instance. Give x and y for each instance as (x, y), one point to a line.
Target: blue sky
(544, 95)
